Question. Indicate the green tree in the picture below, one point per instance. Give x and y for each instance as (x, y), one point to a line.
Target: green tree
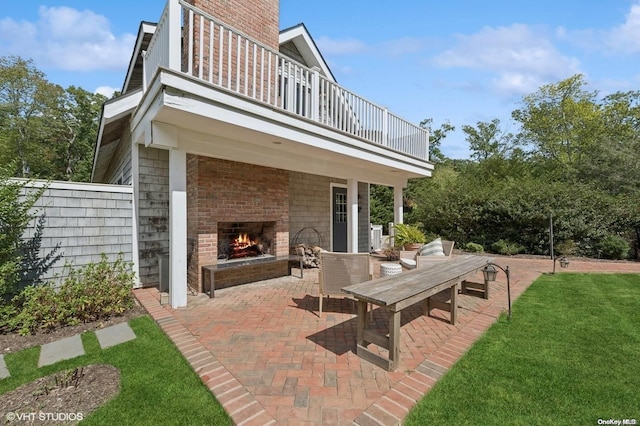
(76, 132)
(487, 140)
(381, 209)
(575, 156)
(50, 131)
(561, 123)
(435, 138)
(28, 105)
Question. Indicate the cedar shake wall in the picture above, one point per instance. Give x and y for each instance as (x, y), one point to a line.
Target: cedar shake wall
(153, 226)
(227, 191)
(310, 207)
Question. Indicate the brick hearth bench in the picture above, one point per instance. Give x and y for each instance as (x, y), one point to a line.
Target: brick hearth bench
(216, 277)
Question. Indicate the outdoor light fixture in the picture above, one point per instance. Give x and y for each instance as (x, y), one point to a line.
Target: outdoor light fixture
(490, 274)
(564, 262)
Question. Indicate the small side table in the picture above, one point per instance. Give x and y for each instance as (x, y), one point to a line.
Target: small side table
(387, 269)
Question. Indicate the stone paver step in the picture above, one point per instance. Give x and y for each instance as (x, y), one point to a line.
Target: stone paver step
(60, 350)
(4, 372)
(114, 335)
(72, 347)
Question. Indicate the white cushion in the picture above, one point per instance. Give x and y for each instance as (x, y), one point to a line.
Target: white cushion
(434, 248)
(408, 263)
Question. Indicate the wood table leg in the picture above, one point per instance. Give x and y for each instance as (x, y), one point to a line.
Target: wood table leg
(394, 340)
(454, 303)
(362, 322)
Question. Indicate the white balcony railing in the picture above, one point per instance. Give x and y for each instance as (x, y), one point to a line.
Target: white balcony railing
(194, 42)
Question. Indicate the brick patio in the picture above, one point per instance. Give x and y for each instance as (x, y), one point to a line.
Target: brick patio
(269, 358)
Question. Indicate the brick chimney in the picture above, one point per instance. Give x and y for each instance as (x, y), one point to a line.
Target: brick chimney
(258, 19)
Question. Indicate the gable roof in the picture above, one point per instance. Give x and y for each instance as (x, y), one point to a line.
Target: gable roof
(133, 79)
(299, 35)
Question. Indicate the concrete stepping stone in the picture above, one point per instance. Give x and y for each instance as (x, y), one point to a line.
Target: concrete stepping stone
(67, 348)
(114, 335)
(4, 371)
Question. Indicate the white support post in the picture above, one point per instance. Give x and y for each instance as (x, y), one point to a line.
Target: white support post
(397, 204)
(352, 215)
(177, 228)
(135, 182)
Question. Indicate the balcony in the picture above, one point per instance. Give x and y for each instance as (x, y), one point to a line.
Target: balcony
(195, 44)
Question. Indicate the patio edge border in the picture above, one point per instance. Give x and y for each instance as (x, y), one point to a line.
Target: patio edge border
(239, 404)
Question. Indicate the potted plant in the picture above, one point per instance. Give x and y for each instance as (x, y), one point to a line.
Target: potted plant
(409, 237)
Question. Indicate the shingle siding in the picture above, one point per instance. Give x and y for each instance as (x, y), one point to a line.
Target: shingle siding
(86, 220)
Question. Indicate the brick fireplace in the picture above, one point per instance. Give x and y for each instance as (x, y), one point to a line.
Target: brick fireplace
(225, 196)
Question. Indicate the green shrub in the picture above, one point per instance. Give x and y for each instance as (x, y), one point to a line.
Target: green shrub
(95, 291)
(614, 247)
(407, 234)
(474, 248)
(566, 248)
(21, 261)
(507, 247)
(15, 217)
(37, 308)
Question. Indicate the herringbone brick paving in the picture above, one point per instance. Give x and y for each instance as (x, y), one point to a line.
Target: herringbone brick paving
(269, 358)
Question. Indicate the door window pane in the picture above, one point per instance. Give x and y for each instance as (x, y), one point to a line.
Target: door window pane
(341, 208)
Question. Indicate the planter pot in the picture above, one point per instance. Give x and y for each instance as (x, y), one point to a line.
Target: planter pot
(412, 246)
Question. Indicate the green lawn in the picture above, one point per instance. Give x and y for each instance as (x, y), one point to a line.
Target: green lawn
(570, 355)
(157, 387)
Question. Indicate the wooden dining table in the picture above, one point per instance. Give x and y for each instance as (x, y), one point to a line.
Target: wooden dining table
(397, 292)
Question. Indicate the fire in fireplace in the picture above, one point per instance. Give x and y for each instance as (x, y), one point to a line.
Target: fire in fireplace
(243, 246)
(243, 240)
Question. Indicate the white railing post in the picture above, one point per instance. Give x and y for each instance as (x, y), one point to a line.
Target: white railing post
(385, 127)
(315, 94)
(175, 38)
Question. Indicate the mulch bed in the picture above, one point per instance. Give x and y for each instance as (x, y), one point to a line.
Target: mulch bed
(13, 342)
(63, 398)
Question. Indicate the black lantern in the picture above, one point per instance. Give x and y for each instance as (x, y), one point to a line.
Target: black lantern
(491, 273)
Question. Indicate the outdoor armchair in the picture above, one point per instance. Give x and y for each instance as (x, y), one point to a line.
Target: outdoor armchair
(434, 251)
(338, 270)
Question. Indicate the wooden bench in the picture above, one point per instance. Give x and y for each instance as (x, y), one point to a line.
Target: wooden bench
(248, 271)
(396, 292)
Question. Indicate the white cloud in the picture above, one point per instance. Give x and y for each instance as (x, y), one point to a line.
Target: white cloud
(621, 39)
(68, 39)
(348, 46)
(107, 91)
(521, 58)
(625, 38)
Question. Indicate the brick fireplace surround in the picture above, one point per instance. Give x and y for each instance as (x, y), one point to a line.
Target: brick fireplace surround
(227, 191)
